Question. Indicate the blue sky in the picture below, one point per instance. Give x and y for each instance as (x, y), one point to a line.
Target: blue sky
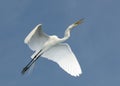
(96, 43)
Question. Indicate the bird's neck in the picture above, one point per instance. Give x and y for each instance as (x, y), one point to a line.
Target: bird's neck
(66, 35)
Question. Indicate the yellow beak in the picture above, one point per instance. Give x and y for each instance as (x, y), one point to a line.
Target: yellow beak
(75, 24)
(79, 22)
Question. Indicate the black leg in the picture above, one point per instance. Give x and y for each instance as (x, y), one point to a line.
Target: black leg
(30, 63)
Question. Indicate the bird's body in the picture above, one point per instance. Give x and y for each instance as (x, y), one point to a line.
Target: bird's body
(52, 48)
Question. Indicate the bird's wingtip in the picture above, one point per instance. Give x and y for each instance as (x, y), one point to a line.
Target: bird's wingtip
(77, 75)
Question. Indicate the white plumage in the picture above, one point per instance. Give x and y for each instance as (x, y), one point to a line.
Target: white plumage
(52, 48)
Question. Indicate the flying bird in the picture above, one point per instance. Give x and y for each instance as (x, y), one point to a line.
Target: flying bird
(53, 48)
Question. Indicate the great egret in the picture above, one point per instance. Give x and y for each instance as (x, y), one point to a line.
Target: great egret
(52, 48)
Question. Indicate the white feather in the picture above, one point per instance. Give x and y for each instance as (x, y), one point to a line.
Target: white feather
(36, 38)
(51, 48)
(64, 57)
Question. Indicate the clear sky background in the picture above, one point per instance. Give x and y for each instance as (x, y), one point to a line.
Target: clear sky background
(96, 42)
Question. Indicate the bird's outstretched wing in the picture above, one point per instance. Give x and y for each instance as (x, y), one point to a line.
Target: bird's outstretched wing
(63, 55)
(36, 38)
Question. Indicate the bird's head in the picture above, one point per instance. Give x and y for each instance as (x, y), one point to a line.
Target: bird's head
(79, 22)
(76, 23)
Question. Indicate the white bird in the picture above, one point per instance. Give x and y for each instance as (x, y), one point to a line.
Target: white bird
(52, 48)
